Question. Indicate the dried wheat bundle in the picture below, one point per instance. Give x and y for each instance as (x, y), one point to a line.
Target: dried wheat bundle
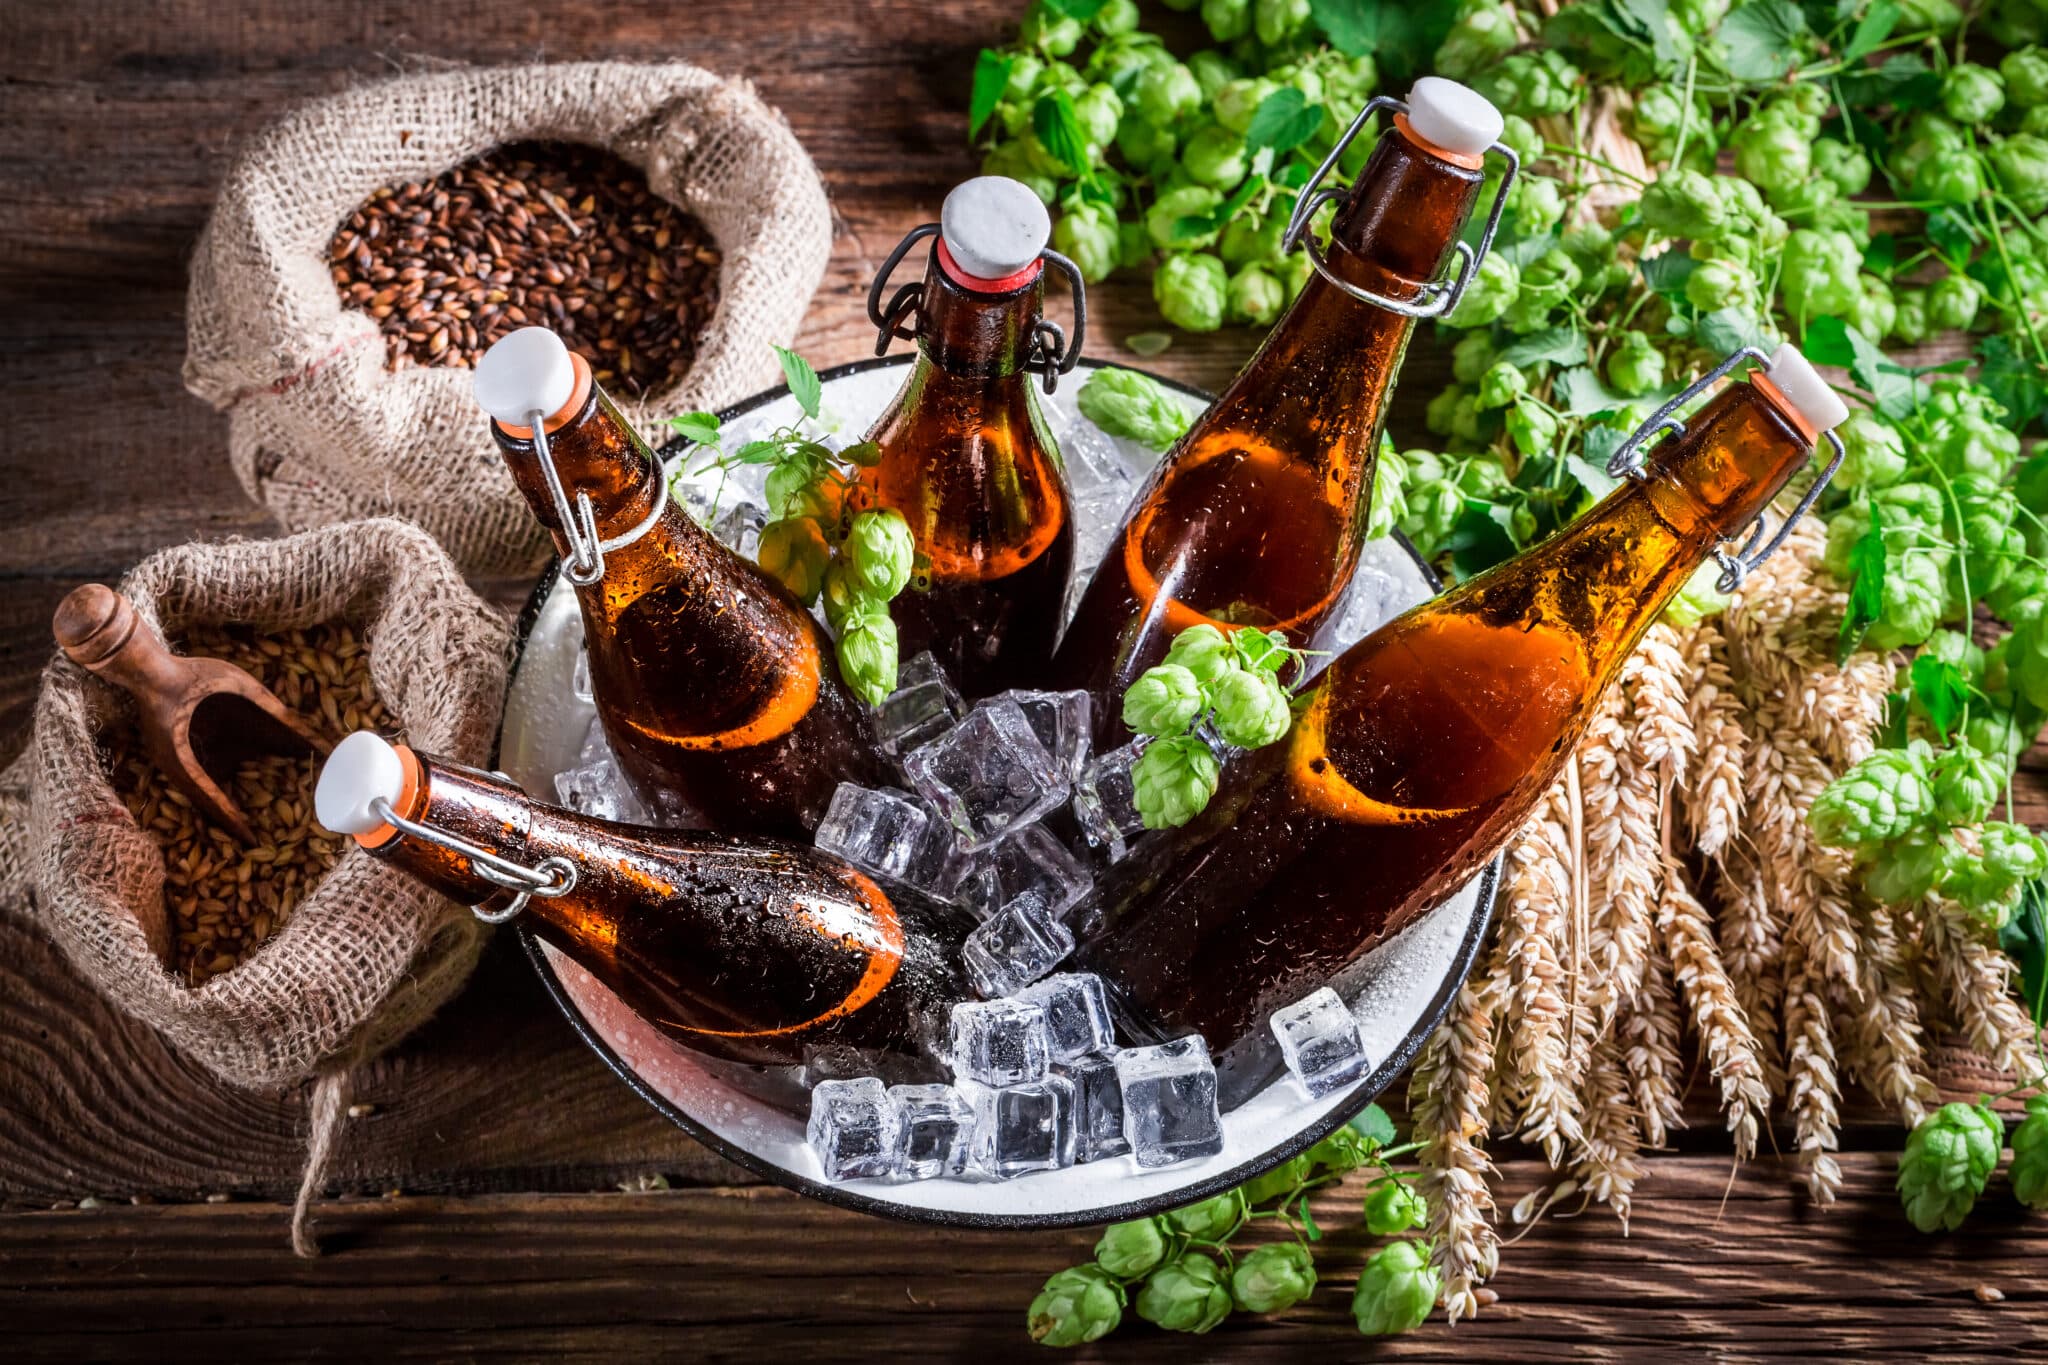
(1668, 913)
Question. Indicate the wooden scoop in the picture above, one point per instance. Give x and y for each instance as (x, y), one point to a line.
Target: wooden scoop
(200, 718)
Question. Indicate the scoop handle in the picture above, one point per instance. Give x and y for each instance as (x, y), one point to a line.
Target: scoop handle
(98, 629)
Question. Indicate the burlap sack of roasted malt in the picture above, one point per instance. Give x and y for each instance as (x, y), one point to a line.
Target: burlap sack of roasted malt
(320, 430)
(368, 954)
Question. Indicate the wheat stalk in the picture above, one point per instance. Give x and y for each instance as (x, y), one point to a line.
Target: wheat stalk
(1447, 1094)
(1812, 1088)
(1539, 1082)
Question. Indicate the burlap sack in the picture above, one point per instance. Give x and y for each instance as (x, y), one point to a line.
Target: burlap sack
(369, 953)
(320, 431)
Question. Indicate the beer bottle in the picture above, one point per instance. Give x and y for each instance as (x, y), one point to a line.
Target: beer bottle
(750, 952)
(1423, 748)
(965, 453)
(1256, 515)
(716, 688)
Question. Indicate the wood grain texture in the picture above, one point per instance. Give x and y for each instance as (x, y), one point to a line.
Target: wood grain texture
(724, 1274)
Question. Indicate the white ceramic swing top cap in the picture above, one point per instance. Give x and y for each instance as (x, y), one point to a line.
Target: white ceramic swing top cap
(994, 226)
(1455, 117)
(362, 770)
(1809, 394)
(527, 371)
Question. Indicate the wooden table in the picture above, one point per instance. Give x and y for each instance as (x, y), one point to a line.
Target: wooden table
(496, 1191)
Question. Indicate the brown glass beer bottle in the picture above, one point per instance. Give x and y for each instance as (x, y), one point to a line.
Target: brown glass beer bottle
(1255, 517)
(716, 688)
(965, 453)
(749, 952)
(1423, 748)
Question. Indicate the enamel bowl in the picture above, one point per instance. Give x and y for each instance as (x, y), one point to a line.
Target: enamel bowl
(1398, 994)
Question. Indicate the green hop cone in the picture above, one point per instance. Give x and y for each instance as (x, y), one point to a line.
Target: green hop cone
(1845, 167)
(1971, 94)
(1134, 406)
(1396, 1291)
(1203, 651)
(1163, 700)
(1393, 1208)
(1957, 177)
(1239, 100)
(1966, 784)
(1190, 290)
(2020, 163)
(1215, 156)
(2029, 1170)
(842, 598)
(1772, 153)
(2025, 72)
(1228, 20)
(1273, 1278)
(880, 552)
(1683, 204)
(1882, 798)
(1636, 365)
(1501, 385)
(1166, 92)
(1988, 884)
(1128, 1250)
(1279, 1181)
(1483, 35)
(1087, 235)
(1915, 598)
(867, 651)
(1163, 219)
(1172, 781)
(794, 552)
(1949, 1156)
(1250, 708)
(1494, 286)
(1211, 1220)
(1819, 275)
(1187, 1294)
(1082, 1303)
(1906, 870)
(1389, 478)
(1874, 453)
(1344, 1150)
(1953, 301)
(1532, 427)
(1254, 296)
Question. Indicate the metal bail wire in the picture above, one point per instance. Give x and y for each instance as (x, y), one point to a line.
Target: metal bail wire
(585, 564)
(1051, 354)
(556, 875)
(1628, 462)
(1438, 296)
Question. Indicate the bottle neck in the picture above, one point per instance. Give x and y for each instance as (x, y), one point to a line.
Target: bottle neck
(595, 452)
(1397, 227)
(969, 335)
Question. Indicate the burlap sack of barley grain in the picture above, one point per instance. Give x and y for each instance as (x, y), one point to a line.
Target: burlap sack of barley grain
(321, 431)
(368, 954)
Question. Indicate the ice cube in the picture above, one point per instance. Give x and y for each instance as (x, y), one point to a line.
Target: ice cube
(1062, 721)
(1382, 587)
(579, 677)
(1022, 1128)
(600, 789)
(999, 1042)
(1169, 1096)
(937, 1127)
(1094, 460)
(1105, 800)
(739, 526)
(595, 745)
(1320, 1042)
(1102, 482)
(1098, 1107)
(1014, 947)
(892, 834)
(1027, 862)
(854, 1129)
(923, 706)
(988, 774)
(1076, 1015)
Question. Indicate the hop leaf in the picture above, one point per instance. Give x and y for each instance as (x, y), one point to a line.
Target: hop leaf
(1395, 1291)
(1128, 1250)
(2030, 1155)
(1173, 780)
(1250, 708)
(1212, 1220)
(1949, 1156)
(880, 552)
(1203, 651)
(1273, 1278)
(1163, 700)
(1187, 1294)
(1882, 798)
(1082, 1303)
(1395, 1207)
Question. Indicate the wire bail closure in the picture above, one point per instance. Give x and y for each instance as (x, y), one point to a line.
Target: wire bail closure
(585, 564)
(556, 875)
(1628, 462)
(1051, 354)
(1434, 299)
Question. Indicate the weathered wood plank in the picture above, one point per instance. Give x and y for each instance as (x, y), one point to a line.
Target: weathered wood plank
(722, 1274)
